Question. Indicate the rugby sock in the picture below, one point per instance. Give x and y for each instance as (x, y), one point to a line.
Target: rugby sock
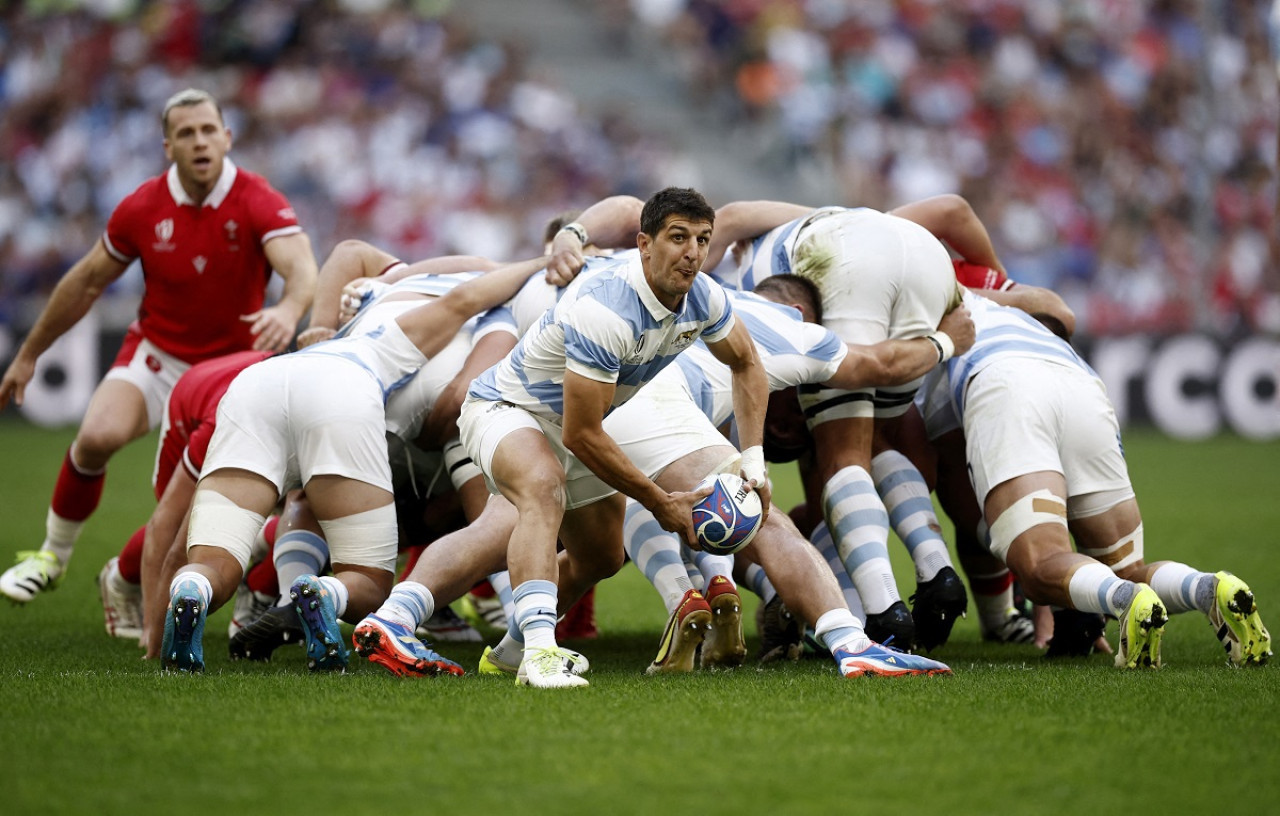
(298, 553)
(75, 496)
(992, 595)
(501, 584)
(1094, 588)
(839, 629)
(860, 527)
(821, 539)
(656, 553)
(339, 592)
(535, 616)
(261, 578)
(410, 603)
(710, 566)
(759, 583)
(1183, 588)
(906, 497)
(130, 563)
(202, 585)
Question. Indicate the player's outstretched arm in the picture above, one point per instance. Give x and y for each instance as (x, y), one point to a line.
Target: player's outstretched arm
(352, 260)
(274, 326)
(71, 300)
(163, 551)
(953, 221)
(744, 220)
(441, 422)
(433, 325)
(897, 362)
(1038, 302)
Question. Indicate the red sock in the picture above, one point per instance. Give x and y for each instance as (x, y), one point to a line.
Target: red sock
(484, 589)
(130, 563)
(262, 578)
(76, 494)
(990, 585)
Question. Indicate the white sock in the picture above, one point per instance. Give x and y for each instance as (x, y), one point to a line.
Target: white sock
(1095, 588)
(536, 613)
(839, 629)
(409, 604)
(1183, 588)
(202, 584)
(339, 592)
(60, 536)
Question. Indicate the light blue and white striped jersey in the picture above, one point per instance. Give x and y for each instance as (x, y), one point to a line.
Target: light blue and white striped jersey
(383, 351)
(610, 327)
(523, 311)
(1001, 332)
(377, 306)
(793, 353)
(769, 254)
(412, 398)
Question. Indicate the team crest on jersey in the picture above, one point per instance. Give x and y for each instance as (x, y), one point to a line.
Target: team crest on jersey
(164, 236)
(200, 263)
(685, 339)
(231, 227)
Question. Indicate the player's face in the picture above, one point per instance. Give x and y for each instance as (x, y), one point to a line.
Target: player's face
(673, 257)
(197, 141)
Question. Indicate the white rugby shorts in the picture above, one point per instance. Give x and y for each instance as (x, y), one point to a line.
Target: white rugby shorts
(290, 418)
(483, 425)
(1024, 415)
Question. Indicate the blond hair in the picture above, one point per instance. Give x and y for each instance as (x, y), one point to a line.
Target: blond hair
(185, 99)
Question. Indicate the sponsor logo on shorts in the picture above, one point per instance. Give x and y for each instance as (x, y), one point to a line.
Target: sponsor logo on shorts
(153, 364)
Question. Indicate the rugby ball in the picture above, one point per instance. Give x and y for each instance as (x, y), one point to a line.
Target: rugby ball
(728, 519)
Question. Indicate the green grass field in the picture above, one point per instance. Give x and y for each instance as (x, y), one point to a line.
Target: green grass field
(88, 727)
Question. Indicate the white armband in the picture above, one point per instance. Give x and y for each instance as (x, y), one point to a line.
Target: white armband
(578, 230)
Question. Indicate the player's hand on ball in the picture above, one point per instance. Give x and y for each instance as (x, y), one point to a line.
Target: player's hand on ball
(675, 514)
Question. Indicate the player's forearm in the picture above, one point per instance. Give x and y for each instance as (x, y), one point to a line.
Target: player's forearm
(601, 454)
(71, 300)
(294, 261)
(750, 402)
(951, 219)
(612, 223)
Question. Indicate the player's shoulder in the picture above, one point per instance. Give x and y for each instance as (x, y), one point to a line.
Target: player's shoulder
(146, 196)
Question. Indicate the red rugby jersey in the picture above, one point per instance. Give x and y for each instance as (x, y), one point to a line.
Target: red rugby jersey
(203, 266)
(193, 412)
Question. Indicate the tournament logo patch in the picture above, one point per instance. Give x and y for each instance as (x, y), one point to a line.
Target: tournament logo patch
(164, 236)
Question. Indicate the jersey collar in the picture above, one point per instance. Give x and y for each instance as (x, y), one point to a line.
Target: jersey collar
(635, 273)
(216, 196)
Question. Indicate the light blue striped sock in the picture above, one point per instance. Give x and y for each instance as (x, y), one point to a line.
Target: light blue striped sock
(297, 553)
(410, 603)
(656, 553)
(860, 527)
(906, 496)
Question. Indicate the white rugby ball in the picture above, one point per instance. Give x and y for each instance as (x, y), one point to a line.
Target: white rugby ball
(729, 518)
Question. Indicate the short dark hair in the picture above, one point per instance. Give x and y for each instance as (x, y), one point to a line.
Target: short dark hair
(791, 288)
(557, 221)
(682, 201)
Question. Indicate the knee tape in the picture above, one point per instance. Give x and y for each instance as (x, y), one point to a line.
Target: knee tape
(1035, 508)
(459, 465)
(216, 521)
(367, 539)
(1123, 554)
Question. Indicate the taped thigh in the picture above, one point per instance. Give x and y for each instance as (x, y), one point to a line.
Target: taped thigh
(216, 521)
(1121, 555)
(1035, 508)
(368, 539)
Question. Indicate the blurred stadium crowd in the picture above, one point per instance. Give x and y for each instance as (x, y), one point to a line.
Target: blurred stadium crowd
(1122, 153)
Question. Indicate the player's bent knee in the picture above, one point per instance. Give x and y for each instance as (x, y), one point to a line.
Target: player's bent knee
(367, 539)
(216, 521)
(1032, 510)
